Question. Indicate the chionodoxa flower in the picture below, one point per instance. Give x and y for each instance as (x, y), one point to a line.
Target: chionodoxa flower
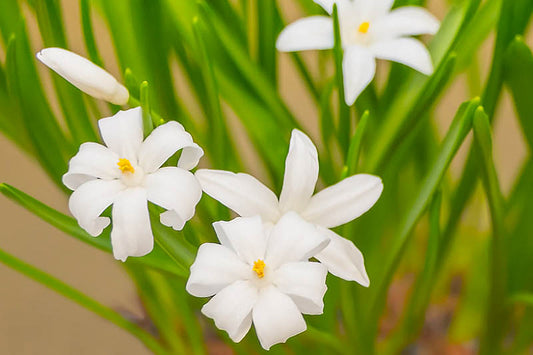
(332, 207)
(127, 173)
(85, 75)
(262, 276)
(369, 30)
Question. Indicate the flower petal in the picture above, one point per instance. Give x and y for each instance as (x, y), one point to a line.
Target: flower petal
(92, 161)
(301, 173)
(406, 21)
(163, 142)
(231, 309)
(315, 32)
(242, 193)
(132, 233)
(123, 133)
(359, 68)
(215, 267)
(343, 259)
(377, 8)
(276, 318)
(408, 51)
(344, 201)
(327, 5)
(305, 283)
(88, 202)
(245, 236)
(176, 190)
(293, 239)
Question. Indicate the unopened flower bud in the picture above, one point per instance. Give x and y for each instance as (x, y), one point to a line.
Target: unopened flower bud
(85, 75)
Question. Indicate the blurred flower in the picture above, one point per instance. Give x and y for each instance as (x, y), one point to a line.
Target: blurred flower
(127, 173)
(332, 207)
(369, 30)
(85, 75)
(260, 278)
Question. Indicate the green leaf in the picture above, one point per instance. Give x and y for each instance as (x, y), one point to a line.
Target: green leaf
(83, 300)
(356, 142)
(518, 68)
(50, 145)
(88, 33)
(344, 127)
(148, 121)
(460, 127)
(156, 259)
(496, 312)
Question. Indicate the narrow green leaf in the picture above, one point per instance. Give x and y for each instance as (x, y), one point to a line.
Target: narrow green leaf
(83, 300)
(414, 315)
(10, 16)
(269, 25)
(156, 259)
(218, 130)
(460, 127)
(88, 33)
(344, 127)
(49, 143)
(496, 313)
(356, 142)
(518, 68)
(148, 123)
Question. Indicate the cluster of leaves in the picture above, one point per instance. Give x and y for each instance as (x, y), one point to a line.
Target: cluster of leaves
(225, 50)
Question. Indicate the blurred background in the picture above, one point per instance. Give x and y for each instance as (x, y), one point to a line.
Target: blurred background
(35, 320)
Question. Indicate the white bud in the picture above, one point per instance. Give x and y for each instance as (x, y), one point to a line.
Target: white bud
(85, 75)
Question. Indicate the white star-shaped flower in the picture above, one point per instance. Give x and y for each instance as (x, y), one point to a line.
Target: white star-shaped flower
(369, 31)
(331, 207)
(260, 278)
(127, 173)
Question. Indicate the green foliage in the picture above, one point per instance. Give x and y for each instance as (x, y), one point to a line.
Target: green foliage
(225, 52)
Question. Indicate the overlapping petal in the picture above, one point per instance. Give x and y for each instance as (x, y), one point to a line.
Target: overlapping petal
(407, 51)
(343, 259)
(276, 318)
(344, 201)
(123, 133)
(305, 283)
(242, 193)
(245, 236)
(359, 67)
(88, 202)
(315, 32)
(231, 309)
(405, 21)
(176, 190)
(163, 142)
(301, 173)
(92, 161)
(215, 268)
(293, 239)
(131, 234)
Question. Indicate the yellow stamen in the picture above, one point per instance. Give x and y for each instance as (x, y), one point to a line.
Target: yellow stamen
(125, 166)
(363, 28)
(259, 268)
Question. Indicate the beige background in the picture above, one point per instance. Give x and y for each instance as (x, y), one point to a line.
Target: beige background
(34, 320)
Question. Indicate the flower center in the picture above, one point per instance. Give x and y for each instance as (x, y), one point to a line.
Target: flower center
(363, 28)
(125, 166)
(259, 268)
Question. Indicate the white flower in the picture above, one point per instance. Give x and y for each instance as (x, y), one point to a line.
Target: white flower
(85, 75)
(369, 30)
(259, 278)
(332, 207)
(127, 173)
